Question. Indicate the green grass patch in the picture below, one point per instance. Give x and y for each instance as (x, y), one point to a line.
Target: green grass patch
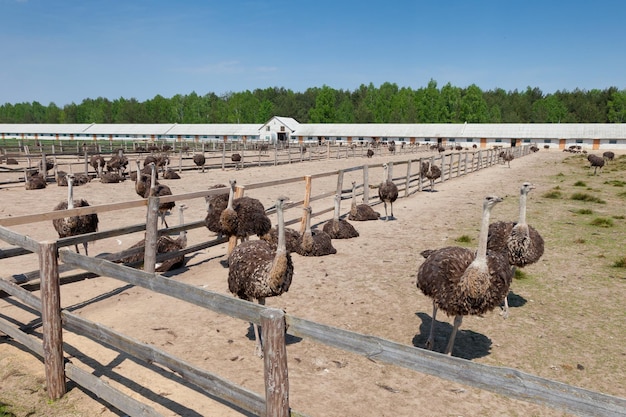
(602, 222)
(519, 274)
(580, 184)
(4, 411)
(616, 183)
(622, 195)
(463, 239)
(553, 194)
(584, 211)
(587, 197)
(620, 263)
(619, 217)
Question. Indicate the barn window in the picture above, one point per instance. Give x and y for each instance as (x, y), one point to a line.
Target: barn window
(613, 141)
(498, 140)
(469, 140)
(579, 141)
(547, 141)
(267, 128)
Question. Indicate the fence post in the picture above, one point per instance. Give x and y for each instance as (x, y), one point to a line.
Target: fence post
(150, 248)
(366, 186)
(275, 363)
(307, 199)
(408, 178)
(51, 318)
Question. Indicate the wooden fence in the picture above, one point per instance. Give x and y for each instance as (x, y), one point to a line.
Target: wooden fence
(275, 323)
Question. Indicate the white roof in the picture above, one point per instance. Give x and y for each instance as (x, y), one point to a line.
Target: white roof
(391, 130)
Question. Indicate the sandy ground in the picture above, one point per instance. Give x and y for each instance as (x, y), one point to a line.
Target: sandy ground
(367, 287)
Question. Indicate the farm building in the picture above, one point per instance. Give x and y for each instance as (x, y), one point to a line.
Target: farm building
(288, 130)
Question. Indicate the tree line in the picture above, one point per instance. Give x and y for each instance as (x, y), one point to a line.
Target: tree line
(387, 103)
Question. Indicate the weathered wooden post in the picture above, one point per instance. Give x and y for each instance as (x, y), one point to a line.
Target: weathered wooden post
(420, 182)
(51, 319)
(339, 191)
(275, 363)
(408, 178)
(366, 184)
(307, 198)
(152, 218)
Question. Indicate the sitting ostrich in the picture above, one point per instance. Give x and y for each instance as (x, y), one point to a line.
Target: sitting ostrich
(34, 180)
(462, 281)
(169, 173)
(314, 242)
(338, 228)
(165, 244)
(432, 172)
(74, 225)
(520, 242)
(387, 191)
(110, 177)
(361, 212)
(258, 270)
(199, 160)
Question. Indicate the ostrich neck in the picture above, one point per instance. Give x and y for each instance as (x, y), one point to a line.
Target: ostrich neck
(336, 216)
(481, 253)
(307, 222)
(153, 176)
(353, 196)
(231, 198)
(522, 209)
(70, 193)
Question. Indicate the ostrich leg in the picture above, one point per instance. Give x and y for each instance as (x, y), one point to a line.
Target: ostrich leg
(457, 322)
(430, 343)
(257, 335)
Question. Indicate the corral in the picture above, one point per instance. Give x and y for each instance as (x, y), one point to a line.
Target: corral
(368, 287)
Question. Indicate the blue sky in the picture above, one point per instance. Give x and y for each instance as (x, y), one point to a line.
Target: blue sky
(65, 51)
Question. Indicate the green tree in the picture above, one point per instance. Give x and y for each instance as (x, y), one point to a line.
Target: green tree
(617, 107)
(324, 109)
(473, 106)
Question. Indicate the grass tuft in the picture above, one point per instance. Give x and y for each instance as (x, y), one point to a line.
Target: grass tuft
(584, 211)
(602, 222)
(587, 197)
(463, 239)
(580, 184)
(620, 263)
(554, 194)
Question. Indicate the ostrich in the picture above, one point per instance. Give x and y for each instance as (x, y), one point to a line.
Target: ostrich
(519, 242)
(338, 228)
(215, 204)
(361, 212)
(387, 191)
(160, 190)
(199, 160)
(257, 270)
(142, 182)
(236, 158)
(507, 156)
(34, 180)
(292, 238)
(110, 177)
(165, 244)
(117, 163)
(608, 156)
(462, 281)
(370, 153)
(314, 242)
(97, 162)
(432, 172)
(169, 173)
(596, 162)
(75, 225)
(244, 216)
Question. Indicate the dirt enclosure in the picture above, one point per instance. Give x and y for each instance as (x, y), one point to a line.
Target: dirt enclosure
(566, 321)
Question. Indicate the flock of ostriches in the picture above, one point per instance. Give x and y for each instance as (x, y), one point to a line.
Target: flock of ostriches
(460, 281)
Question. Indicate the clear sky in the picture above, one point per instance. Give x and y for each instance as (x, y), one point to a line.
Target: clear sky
(64, 51)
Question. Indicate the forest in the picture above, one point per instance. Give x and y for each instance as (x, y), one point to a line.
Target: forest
(387, 103)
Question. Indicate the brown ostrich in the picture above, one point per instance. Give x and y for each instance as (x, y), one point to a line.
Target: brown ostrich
(432, 172)
(165, 244)
(215, 204)
(338, 228)
(462, 281)
(370, 153)
(596, 162)
(97, 162)
(74, 225)
(258, 270)
(507, 156)
(199, 160)
(236, 158)
(169, 173)
(244, 216)
(520, 242)
(314, 242)
(608, 156)
(110, 177)
(143, 181)
(160, 190)
(292, 238)
(34, 180)
(387, 191)
(361, 212)
(117, 163)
